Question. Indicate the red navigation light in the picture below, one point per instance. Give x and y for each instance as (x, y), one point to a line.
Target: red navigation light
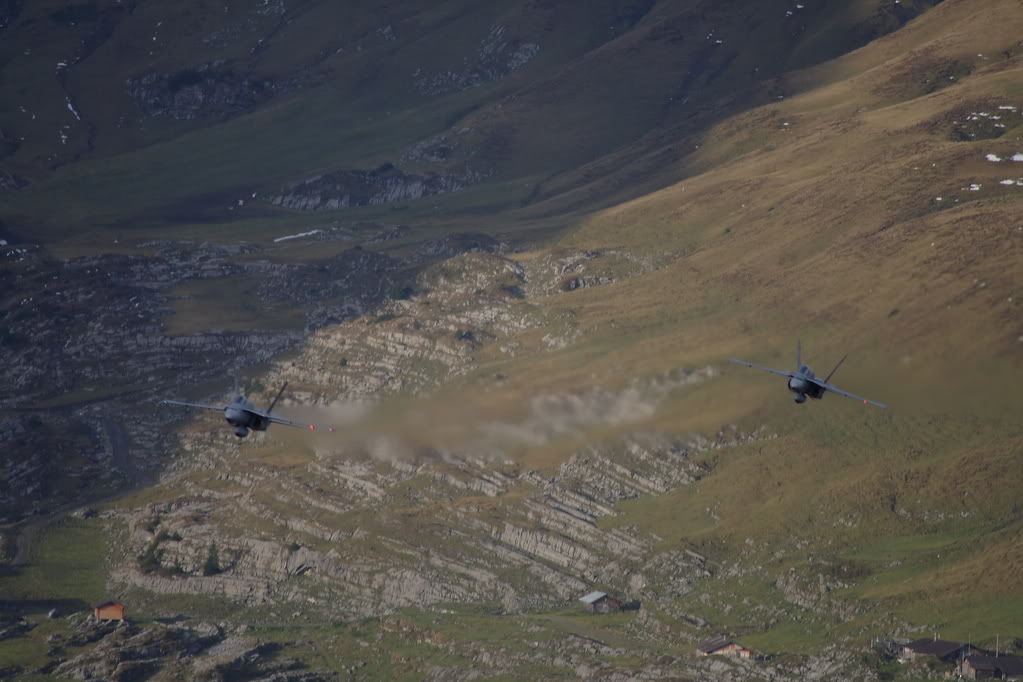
(312, 427)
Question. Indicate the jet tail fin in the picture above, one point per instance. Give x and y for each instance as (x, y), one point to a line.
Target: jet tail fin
(836, 368)
(277, 397)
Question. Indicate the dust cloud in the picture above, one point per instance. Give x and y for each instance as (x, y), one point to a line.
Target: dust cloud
(415, 429)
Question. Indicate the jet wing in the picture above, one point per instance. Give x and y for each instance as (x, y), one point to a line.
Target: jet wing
(834, 389)
(291, 422)
(766, 369)
(218, 408)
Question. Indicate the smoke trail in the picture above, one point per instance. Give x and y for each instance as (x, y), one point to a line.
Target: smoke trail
(407, 430)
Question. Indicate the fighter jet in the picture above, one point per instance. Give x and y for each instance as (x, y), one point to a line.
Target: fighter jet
(242, 414)
(803, 382)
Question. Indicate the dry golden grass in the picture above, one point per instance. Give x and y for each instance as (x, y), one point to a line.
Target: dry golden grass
(817, 216)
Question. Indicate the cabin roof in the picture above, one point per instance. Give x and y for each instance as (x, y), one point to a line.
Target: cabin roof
(593, 597)
(1009, 665)
(719, 642)
(934, 647)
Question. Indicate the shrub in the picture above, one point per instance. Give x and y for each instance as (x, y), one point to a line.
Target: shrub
(212, 564)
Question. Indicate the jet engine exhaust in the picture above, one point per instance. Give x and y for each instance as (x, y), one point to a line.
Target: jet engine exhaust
(800, 398)
(241, 432)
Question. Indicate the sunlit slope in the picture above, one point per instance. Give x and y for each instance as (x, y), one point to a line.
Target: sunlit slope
(835, 213)
(870, 214)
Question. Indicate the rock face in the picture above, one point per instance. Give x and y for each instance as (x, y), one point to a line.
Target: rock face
(200, 652)
(366, 526)
(207, 90)
(351, 537)
(552, 535)
(497, 56)
(385, 185)
(99, 321)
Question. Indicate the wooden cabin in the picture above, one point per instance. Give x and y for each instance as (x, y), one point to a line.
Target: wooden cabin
(942, 649)
(109, 610)
(601, 602)
(724, 646)
(991, 668)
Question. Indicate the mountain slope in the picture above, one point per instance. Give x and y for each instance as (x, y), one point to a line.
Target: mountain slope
(530, 425)
(183, 112)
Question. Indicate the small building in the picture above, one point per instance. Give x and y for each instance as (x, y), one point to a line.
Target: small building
(942, 649)
(723, 646)
(991, 668)
(601, 602)
(109, 610)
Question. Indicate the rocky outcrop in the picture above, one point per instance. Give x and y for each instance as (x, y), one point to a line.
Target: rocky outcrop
(498, 55)
(207, 90)
(120, 651)
(384, 185)
(568, 270)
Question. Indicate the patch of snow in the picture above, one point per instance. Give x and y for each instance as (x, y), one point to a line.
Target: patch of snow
(1007, 107)
(1017, 157)
(71, 108)
(3, 242)
(975, 187)
(1007, 182)
(994, 158)
(296, 236)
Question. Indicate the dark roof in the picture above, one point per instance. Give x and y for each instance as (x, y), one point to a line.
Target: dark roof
(105, 604)
(1009, 665)
(934, 647)
(981, 662)
(719, 642)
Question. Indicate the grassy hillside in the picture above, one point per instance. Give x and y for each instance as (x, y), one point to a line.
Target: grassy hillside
(539, 89)
(844, 176)
(849, 215)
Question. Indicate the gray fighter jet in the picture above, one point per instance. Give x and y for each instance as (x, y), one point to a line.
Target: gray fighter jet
(242, 414)
(803, 382)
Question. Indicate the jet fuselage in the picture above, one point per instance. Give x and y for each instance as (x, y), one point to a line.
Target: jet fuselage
(803, 385)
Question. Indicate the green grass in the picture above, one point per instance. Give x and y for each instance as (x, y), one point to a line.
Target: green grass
(66, 571)
(789, 638)
(67, 563)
